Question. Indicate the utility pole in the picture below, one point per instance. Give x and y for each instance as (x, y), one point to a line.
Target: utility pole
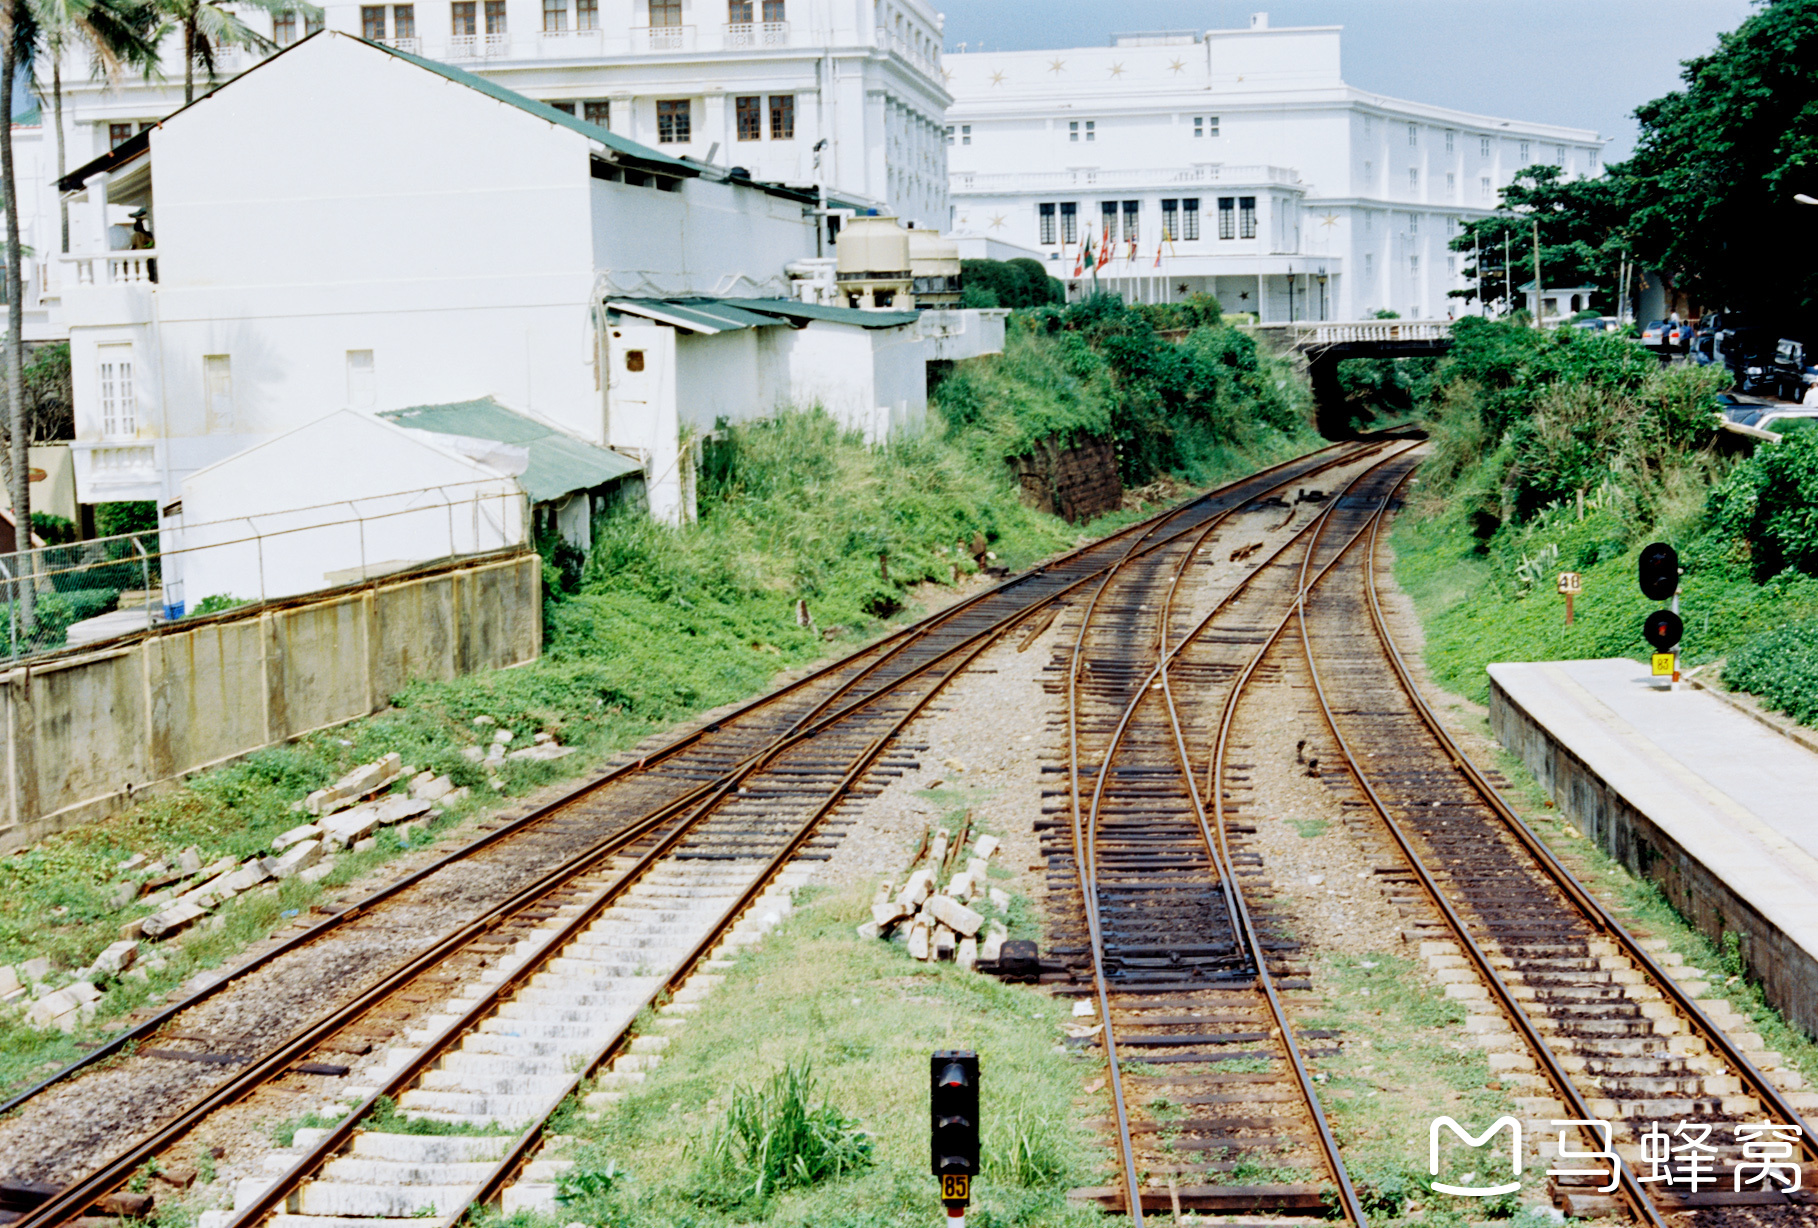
(1508, 272)
(1540, 309)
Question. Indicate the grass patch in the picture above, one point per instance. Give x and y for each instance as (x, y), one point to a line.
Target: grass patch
(869, 1017)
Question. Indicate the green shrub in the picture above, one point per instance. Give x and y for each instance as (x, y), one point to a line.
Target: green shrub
(52, 530)
(774, 1138)
(1008, 283)
(1768, 506)
(1781, 667)
(113, 519)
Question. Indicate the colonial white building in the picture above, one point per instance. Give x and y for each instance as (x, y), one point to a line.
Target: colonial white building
(803, 92)
(1233, 162)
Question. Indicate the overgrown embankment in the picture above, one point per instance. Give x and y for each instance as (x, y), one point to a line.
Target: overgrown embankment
(1568, 451)
(658, 624)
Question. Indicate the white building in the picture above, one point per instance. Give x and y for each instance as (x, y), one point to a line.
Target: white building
(420, 237)
(1233, 162)
(800, 92)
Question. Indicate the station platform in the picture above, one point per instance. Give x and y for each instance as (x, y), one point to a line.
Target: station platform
(1712, 804)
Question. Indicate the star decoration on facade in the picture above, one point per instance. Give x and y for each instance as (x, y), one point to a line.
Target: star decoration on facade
(997, 78)
(1175, 66)
(1330, 219)
(997, 221)
(1243, 296)
(1057, 66)
(1117, 70)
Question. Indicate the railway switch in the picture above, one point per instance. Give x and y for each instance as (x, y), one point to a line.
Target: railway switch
(953, 1127)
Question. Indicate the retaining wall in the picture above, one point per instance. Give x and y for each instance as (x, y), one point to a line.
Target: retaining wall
(85, 730)
(1787, 972)
(1076, 483)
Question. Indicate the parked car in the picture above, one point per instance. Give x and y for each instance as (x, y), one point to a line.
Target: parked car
(1776, 369)
(1599, 324)
(1780, 419)
(1654, 333)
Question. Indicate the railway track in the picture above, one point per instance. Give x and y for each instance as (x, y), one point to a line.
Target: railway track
(1182, 957)
(747, 794)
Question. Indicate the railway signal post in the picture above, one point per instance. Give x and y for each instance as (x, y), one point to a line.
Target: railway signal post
(953, 1128)
(1659, 576)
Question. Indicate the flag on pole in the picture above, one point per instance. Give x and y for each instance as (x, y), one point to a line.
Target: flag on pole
(1158, 247)
(1082, 257)
(1131, 256)
(1104, 250)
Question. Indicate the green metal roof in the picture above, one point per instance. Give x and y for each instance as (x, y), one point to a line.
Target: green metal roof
(559, 464)
(542, 110)
(723, 315)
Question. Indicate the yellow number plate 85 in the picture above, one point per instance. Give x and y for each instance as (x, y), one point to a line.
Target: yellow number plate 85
(956, 1189)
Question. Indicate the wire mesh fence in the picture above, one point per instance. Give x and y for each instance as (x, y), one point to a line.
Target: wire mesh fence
(79, 593)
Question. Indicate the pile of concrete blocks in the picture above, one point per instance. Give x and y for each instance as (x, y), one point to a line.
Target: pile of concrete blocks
(367, 780)
(497, 751)
(939, 922)
(63, 1008)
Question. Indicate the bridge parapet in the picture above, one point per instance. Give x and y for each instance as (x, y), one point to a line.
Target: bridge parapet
(1321, 333)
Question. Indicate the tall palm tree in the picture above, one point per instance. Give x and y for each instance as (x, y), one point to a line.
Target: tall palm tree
(116, 33)
(18, 40)
(209, 28)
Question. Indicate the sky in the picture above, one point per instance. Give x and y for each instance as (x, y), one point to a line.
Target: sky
(1587, 64)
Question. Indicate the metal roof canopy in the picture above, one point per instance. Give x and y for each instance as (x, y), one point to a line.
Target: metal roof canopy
(723, 315)
(559, 464)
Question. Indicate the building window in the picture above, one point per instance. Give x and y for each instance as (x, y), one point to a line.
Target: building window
(1369, 221)
(1483, 146)
(312, 23)
(1108, 212)
(965, 134)
(495, 16)
(1413, 266)
(1211, 125)
(372, 22)
(1246, 217)
(566, 108)
(598, 112)
(1413, 179)
(1559, 155)
(1091, 130)
(463, 17)
(555, 16)
(1413, 136)
(1045, 214)
(949, 134)
(1524, 153)
(1591, 156)
(1369, 172)
(1484, 190)
(218, 390)
(403, 21)
(738, 12)
(782, 117)
(1451, 266)
(748, 112)
(1451, 184)
(284, 28)
(674, 126)
(665, 12)
(1414, 225)
(118, 133)
(1069, 213)
(362, 387)
(776, 10)
(1369, 265)
(1170, 220)
(1199, 125)
(1227, 217)
(1450, 134)
(1132, 210)
(1189, 220)
(1369, 127)
(119, 406)
(1073, 130)
(586, 14)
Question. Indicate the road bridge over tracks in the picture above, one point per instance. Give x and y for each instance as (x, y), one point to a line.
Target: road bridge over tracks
(1323, 344)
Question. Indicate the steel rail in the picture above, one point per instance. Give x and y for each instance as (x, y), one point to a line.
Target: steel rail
(1639, 1204)
(502, 1171)
(1759, 1085)
(1085, 857)
(73, 1198)
(884, 648)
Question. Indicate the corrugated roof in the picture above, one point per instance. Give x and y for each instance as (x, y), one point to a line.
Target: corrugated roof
(559, 464)
(722, 315)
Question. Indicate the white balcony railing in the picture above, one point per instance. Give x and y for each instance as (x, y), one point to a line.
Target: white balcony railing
(929, 64)
(662, 38)
(114, 268)
(569, 42)
(498, 46)
(463, 47)
(121, 459)
(1162, 177)
(757, 34)
(411, 46)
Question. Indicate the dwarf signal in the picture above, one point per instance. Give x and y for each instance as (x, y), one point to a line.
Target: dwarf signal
(953, 1127)
(1659, 577)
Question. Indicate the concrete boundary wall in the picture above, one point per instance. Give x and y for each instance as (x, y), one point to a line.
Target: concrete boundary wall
(86, 730)
(1788, 973)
